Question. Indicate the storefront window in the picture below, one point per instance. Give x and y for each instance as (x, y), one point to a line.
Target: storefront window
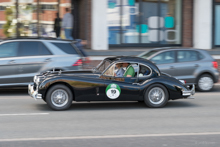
(114, 21)
(31, 18)
(144, 21)
(7, 19)
(27, 18)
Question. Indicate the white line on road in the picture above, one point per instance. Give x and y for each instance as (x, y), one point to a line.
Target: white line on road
(110, 136)
(24, 114)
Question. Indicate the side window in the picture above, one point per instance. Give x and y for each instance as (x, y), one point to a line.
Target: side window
(28, 48)
(163, 58)
(144, 71)
(186, 56)
(66, 47)
(8, 49)
(118, 70)
(43, 49)
(201, 56)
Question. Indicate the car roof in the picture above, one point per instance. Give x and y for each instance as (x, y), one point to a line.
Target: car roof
(133, 59)
(173, 48)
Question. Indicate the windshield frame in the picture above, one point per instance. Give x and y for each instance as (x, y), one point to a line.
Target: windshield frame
(101, 64)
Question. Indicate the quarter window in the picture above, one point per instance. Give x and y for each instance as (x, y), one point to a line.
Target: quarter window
(186, 56)
(164, 58)
(66, 47)
(144, 71)
(43, 49)
(8, 49)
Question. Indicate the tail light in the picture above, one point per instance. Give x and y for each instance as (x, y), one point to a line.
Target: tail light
(87, 60)
(215, 64)
(78, 63)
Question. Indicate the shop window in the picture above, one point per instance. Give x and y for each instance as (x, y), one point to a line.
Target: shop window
(144, 21)
(2, 8)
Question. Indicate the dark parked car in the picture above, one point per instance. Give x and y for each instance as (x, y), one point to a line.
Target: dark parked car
(148, 84)
(195, 66)
(22, 59)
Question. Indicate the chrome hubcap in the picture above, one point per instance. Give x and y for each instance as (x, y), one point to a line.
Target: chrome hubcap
(59, 98)
(205, 83)
(156, 95)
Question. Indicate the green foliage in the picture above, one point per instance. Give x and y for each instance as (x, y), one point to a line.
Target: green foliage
(9, 17)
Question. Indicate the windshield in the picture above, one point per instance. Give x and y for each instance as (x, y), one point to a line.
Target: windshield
(103, 65)
(148, 54)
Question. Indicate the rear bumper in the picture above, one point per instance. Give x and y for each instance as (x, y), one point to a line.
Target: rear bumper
(190, 92)
(33, 93)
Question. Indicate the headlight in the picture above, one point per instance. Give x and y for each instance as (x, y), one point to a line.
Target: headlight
(35, 78)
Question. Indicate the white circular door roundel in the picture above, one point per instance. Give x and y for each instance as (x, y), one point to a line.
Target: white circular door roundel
(113, 91)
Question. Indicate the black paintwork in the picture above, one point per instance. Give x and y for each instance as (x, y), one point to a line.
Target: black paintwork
(91, 85)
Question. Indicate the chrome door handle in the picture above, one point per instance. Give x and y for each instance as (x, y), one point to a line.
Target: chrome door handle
(171, 67)
(12, 62)
(196, 65)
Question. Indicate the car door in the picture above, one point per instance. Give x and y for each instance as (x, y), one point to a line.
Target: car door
(33, 55)
(8, 63)
(165, 62)
(187, 63)
(120, 88)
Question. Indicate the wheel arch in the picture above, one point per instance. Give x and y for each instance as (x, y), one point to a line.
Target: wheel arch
(154, 84)
(62, 83)
(203, 73)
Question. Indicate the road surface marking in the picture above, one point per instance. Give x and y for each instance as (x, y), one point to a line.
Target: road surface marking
(109, 136)
(24, 114)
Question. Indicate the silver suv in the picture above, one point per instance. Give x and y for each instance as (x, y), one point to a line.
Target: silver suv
(195, 66)
(21, 59)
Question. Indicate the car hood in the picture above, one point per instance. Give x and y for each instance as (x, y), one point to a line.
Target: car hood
(86, 73)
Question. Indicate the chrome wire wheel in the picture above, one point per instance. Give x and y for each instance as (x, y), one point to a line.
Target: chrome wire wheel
(59, 98)
(205, 83)
(156, 95)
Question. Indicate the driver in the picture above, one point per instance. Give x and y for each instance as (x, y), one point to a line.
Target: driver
(129, 70)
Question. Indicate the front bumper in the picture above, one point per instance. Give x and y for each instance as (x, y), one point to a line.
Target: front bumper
(33, 93)
(190, 92)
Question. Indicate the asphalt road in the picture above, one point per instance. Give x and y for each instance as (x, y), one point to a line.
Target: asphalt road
(182, 123)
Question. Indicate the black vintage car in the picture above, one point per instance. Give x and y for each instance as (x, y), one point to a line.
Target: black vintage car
(147, 84)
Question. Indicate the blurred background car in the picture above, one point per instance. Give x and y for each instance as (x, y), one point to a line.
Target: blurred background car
(195, 66)
(21, 59)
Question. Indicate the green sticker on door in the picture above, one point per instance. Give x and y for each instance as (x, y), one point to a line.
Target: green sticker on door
(113, 91)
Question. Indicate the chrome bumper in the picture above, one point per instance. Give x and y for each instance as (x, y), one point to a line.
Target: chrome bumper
(189, 92)
(32, 93)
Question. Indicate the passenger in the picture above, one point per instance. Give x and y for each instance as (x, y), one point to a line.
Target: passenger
(129, 70)
(120, 71)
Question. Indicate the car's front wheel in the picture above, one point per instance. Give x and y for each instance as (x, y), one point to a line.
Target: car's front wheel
(205, 83)
(59, 97)
(156, 96)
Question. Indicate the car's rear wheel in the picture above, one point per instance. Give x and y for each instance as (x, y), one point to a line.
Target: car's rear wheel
(59, 97)
(156, 96)
(205, 83)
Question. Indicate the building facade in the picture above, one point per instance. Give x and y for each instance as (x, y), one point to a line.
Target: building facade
(107, 24)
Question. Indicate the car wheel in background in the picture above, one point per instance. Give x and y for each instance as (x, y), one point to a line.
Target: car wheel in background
(59, 97)
(156, 96)
(205, 83)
